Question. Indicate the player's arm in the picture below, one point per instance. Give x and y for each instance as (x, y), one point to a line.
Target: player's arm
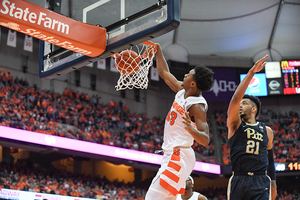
(201, 197)
(271, 168)
(197, 112)
(164, 72)
(233, 119)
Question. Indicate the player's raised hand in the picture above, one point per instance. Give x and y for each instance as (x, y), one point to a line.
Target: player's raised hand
(150, 51)
(259, 65)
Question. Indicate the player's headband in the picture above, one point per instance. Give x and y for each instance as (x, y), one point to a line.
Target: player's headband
(190, 179)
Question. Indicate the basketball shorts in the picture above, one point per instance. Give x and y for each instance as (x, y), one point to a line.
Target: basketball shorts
(249, 187)
(176, 166)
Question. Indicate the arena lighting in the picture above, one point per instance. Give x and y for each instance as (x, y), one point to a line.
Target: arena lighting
(93, 148)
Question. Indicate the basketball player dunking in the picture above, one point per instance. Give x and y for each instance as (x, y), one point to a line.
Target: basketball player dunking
(185, 122)
(250, 144)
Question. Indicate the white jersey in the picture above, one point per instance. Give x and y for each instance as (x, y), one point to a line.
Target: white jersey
(193, 197)
(175, 135)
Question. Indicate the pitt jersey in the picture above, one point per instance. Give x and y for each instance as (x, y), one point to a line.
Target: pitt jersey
(175, 134)
(248, 148)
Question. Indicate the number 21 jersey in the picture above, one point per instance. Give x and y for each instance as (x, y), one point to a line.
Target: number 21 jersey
(248, 148)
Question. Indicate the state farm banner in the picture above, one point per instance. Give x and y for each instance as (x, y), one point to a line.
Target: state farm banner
(23, 195)
(224, 85)
(49, 26)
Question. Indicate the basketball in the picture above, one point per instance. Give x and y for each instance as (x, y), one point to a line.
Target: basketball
(128, 62)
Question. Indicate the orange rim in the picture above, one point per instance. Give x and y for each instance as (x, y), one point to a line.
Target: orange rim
(150, 44)
(144, 55)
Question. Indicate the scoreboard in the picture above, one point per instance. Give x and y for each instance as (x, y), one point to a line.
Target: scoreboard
(278, 78)
(289, 166)
(293, 166)
(290, 75)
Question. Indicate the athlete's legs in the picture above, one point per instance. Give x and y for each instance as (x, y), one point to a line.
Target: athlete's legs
(249, 188)
(238, 188)
(261, 188)
(185, 163)
(156, 191)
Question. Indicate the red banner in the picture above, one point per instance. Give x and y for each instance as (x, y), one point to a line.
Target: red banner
(49, 26)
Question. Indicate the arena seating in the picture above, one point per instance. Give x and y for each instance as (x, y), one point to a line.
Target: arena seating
(76, 115)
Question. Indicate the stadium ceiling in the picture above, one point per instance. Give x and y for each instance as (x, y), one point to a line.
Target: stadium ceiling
(234, 33)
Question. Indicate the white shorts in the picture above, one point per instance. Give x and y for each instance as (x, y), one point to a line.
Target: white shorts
(176, 166)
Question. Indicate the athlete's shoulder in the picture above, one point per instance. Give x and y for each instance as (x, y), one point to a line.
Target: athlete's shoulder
(196, 100)
(180, 92)
(201, 196)
(262, 123)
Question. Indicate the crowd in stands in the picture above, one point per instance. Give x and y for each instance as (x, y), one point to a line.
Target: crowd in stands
(288, 188)
(26, 176)
(23, 175)
(32, 109)
(286, 134)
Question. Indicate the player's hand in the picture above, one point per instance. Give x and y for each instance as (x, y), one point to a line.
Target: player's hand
(273, 193)
(259, 65)
(187, 121)
(150, 51)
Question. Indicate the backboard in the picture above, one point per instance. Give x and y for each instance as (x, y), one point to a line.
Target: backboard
(127, 23)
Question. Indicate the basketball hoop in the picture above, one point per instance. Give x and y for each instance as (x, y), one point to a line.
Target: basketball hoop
(134, 67)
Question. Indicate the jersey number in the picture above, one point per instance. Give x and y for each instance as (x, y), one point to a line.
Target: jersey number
(171, 117)
(251, 146)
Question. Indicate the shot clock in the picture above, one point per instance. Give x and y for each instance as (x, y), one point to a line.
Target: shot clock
(293, 166)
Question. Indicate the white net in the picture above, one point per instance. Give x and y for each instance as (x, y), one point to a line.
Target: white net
(135, 68)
